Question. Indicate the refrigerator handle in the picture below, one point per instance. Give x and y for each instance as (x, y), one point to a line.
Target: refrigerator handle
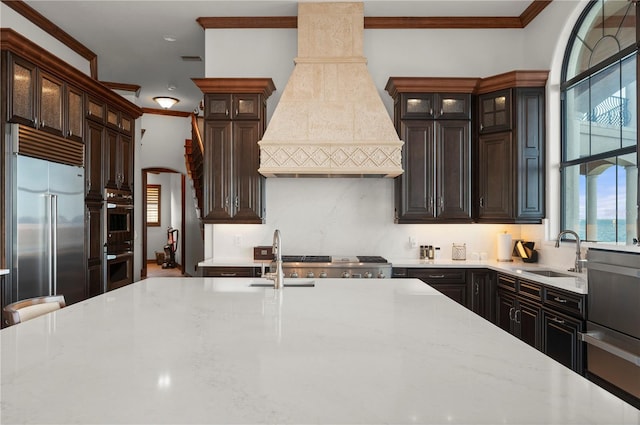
(53, 226)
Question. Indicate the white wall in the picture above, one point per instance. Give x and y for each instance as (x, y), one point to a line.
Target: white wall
(162, 146)
(355, 216)
(9, 18)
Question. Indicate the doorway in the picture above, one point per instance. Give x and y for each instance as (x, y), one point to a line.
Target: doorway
(171, 199)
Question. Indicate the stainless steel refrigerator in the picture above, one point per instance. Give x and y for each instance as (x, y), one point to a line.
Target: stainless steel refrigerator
(48, 241)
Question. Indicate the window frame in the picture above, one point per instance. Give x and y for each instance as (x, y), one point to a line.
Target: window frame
(158, 205)
(566, 85)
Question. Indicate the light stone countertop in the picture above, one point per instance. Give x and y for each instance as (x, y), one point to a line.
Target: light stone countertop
(4, 271)
(217, 351)
(577, 283)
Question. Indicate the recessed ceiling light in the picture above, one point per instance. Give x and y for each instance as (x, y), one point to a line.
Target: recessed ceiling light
(169, 38)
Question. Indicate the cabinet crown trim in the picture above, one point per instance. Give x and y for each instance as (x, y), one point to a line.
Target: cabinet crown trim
(513, 79)
(397, 85)
(264, 86)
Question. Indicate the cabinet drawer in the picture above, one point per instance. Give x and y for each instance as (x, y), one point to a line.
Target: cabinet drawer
(438, 275)
(530, 290)
(572, 304)
(507, 282)
(228, 272)
(398, 272)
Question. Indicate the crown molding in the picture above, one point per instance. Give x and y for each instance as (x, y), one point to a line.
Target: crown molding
(390, 22)
(19, 45)
(56, 32)
(235, 85)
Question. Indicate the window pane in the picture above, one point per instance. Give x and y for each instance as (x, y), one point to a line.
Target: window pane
(605, 111)
(577, 122)
(608, 28)
(601, 197)
(629, 115)
(153, 205)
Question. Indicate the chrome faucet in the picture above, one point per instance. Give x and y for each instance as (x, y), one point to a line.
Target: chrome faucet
(579, 260)
(276, 275)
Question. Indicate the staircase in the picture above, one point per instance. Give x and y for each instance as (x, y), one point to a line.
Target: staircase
(194, 150)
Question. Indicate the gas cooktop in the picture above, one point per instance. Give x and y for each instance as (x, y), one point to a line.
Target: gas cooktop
(310, 266)
(334, 259)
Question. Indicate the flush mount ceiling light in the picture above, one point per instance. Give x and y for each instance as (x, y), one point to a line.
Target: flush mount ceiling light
(165, 102)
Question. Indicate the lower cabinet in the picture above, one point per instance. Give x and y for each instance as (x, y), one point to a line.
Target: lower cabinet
(451, 282)
(119, 271)
(561, 339)
(230, 271)
(482, 290)
(519, 309)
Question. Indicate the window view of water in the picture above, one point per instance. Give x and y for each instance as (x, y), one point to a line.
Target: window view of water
(606, 230)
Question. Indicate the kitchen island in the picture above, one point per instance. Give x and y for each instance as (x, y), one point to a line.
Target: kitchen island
(205, 350)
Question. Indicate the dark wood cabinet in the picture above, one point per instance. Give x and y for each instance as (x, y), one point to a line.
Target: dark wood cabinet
(230, 272)
(93, 149)
(50, 103)
(74, 125)
(22, 88)
(483, 293)
(117, 160)
(235, 120)
(510, 155)
(518, 311)
(450, 282)
(233, 106)
(95, 251)
(561, 339)
(95, 109)
(563, 319)
(494, 110)
(436, 157)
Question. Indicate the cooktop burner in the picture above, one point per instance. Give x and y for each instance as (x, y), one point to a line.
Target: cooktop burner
(306, 258)
(332, 259)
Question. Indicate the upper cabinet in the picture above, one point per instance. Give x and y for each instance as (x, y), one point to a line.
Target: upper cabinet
(436, 158)
(510, 154)
(236, 106)
(22, 88)
(235, 120)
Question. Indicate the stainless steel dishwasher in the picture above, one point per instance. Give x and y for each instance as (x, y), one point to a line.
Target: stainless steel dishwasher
(613, 322)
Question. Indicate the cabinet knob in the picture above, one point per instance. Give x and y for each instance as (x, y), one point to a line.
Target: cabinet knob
(441, 112)
(481, 126)
(482, 202)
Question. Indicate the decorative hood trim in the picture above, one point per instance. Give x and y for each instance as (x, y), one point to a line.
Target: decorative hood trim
(330, 120)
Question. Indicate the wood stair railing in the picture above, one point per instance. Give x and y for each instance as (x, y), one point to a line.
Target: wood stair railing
(194, 154)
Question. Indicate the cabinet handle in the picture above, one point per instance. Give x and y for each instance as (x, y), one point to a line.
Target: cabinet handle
(436, 276)
(560, 321)
(430, 203)
(559, 300)
(237, 202)
(237, 112)
(228, 274)
(481, 126)
(226, 112)
(441, 111)
(70, 133)
(226, 201)
(511, 313)
(442, 202)
(477, 288)
(431, 111)
(482, 202)
(517, 320)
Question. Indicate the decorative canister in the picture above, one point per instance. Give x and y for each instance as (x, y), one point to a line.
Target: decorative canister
(459, 251)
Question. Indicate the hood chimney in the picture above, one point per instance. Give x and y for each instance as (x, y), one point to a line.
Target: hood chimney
(330, 120)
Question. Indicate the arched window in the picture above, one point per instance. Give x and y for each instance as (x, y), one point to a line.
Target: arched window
(599, 165)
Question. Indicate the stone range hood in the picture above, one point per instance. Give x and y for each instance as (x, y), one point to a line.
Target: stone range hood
(330, 120)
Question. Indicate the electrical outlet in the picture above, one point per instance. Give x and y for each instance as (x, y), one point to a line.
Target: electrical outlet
(237, 240)
(412, 242)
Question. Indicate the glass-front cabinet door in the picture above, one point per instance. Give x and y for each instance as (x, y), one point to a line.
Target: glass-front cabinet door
(495, 111)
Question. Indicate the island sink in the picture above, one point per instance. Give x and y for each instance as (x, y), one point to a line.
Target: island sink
(293, 284)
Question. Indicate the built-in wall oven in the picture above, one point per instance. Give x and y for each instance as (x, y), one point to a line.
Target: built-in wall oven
(613, 323)
(118, 244)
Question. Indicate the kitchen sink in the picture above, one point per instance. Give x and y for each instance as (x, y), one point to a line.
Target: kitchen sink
(548, 273)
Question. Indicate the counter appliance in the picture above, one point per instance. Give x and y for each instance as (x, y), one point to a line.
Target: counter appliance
(613, 323)
(335, 266)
